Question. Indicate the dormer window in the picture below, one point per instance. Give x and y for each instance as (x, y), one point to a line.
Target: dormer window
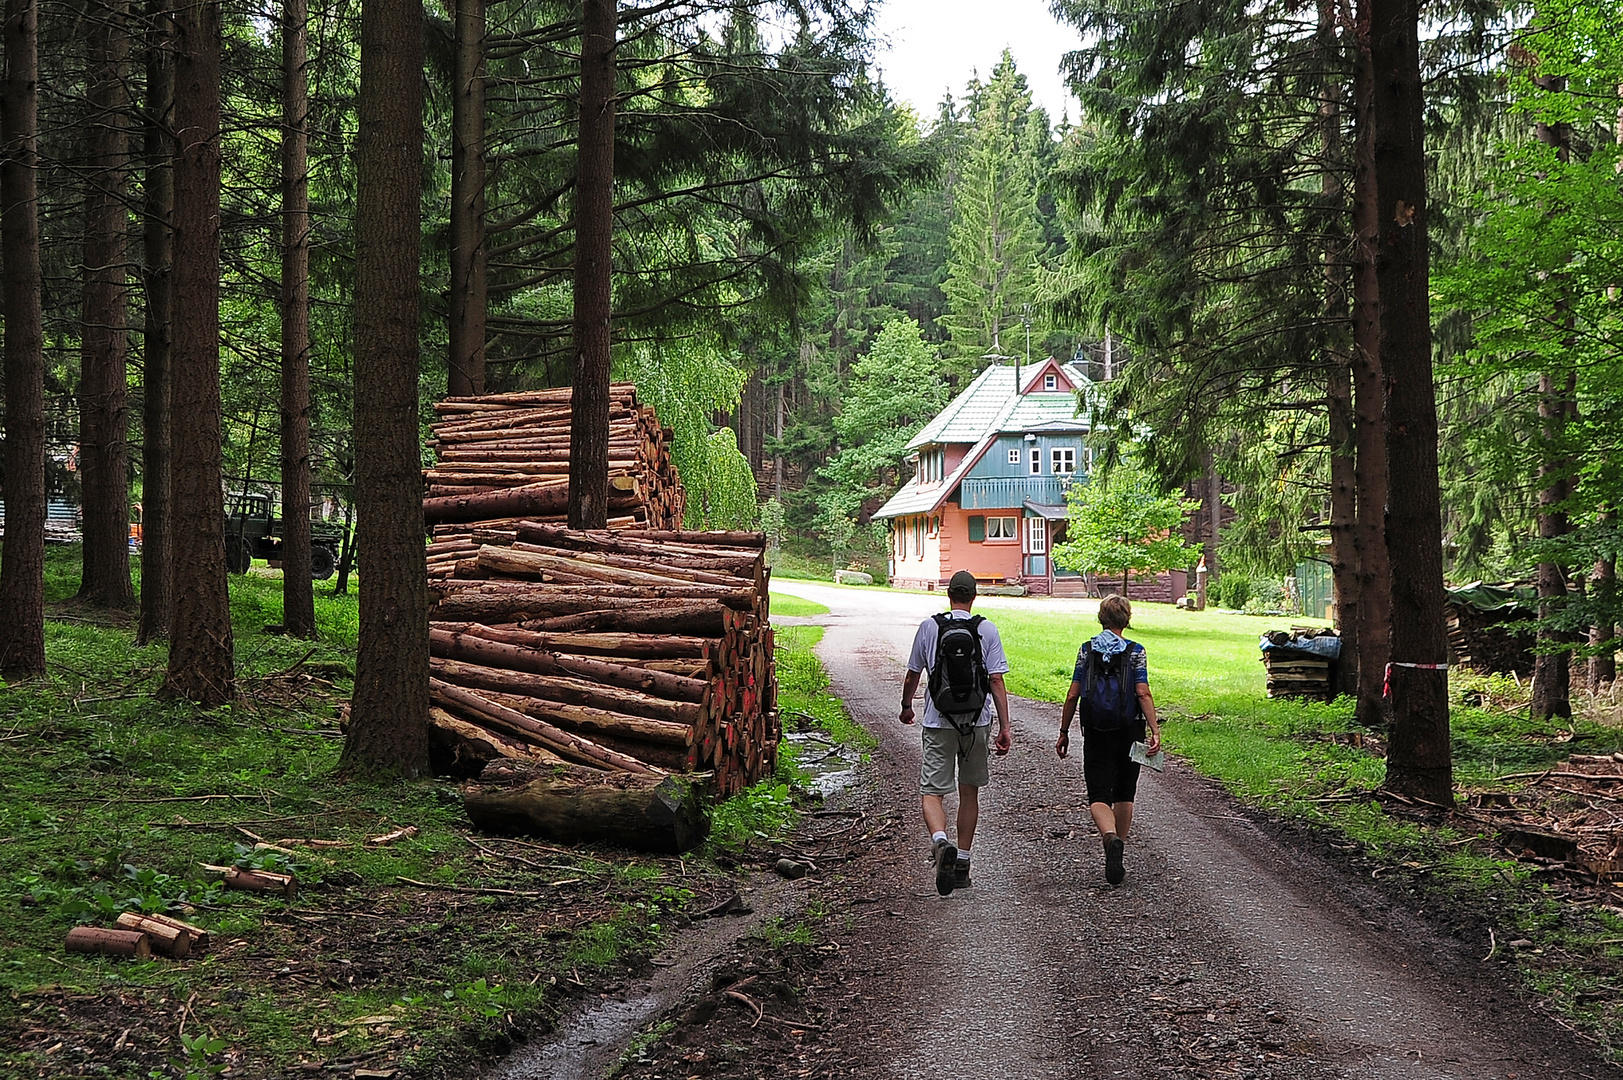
(1050, 381)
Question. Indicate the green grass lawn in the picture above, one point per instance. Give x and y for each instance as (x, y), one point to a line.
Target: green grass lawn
(787, 604)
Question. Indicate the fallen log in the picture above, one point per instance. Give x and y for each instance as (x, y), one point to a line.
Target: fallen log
(669, 815)
(519, 650)
(652, 742)
(95, 940)
(563, 743)
(569, 693)
(199, 936)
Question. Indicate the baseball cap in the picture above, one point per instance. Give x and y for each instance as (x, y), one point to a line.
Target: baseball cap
(962, 586)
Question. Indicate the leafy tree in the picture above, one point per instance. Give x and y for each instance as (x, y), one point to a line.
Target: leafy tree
(688, 384)
(1123, 522)
(894, 391)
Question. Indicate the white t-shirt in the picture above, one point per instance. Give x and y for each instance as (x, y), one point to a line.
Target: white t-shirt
(924, 654)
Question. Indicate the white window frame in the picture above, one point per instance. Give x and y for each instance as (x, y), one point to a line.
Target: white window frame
(1003, 528)
(1037, 535)
(1062, 455)
(1014, 455)
(1087, 459)
(1050, 381)
(1036, 462)
(918, 537)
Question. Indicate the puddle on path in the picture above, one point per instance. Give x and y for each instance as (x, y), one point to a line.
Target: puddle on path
(590, 1044)
(829, 767)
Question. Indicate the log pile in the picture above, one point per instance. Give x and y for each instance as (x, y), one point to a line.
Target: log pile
(1295, 672)
(634, 651)
(504, 458)
(1480, 639)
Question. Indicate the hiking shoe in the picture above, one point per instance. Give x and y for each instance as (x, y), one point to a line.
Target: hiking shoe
(960, 874)
(1114, 870)
(946, 866)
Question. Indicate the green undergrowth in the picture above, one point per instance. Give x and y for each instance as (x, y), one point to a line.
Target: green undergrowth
(768, 809)
(413, 951)
(1310, 762)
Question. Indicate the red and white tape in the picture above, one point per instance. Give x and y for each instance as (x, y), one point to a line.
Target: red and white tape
(1387, 688)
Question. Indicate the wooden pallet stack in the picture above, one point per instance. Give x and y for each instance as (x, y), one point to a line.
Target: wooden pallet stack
(505, 458)
(1297, 673)
(641, 651)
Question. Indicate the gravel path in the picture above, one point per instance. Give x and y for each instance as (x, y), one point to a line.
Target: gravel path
(1229, 952)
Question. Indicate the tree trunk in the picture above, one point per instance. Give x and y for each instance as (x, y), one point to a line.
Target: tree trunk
(158, 240)
(200, 649)
(22, 558)
(594, 224)
(667, 815)
(104, 342)
(1603, 588)
(467, 296)
(1338, 375)
(1418, 762)
(1557, 404)
(298, 590)
(388, 727)
(1373, 575)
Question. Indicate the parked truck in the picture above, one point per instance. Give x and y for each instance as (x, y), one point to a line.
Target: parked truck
(253, 531)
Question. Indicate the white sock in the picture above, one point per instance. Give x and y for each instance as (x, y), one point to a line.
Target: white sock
(935, 836)
(963, 854)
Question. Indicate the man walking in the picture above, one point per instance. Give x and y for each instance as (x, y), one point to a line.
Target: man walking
(963, 655)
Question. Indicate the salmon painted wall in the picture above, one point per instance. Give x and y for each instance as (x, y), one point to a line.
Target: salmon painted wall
(949, 551)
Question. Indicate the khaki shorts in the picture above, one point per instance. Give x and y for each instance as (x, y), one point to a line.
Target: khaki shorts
(946, 752)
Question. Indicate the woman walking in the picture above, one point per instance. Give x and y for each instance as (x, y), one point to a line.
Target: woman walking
(1112, 687)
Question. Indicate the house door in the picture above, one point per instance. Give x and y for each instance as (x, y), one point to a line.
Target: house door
(1034, 546)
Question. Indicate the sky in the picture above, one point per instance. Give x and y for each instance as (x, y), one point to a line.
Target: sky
(931, 46)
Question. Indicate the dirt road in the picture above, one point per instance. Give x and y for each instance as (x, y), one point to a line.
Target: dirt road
(1226, 952)
(1238, 948)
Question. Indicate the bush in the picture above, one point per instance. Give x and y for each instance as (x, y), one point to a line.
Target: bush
(1232, 591)
(1267, 595)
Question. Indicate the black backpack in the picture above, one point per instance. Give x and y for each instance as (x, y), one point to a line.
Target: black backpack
(1110, 692)
(959, 684)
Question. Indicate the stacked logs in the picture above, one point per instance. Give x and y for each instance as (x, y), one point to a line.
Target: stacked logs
(505, 458)
(637, 651)
(1484, 641)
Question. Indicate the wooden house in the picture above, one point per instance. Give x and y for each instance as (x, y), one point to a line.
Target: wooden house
(988, 492)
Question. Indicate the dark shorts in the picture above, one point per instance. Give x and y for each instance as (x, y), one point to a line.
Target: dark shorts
(1111, 775)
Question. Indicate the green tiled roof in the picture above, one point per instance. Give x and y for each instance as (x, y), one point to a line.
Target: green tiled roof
(985, 409)
(990, 405)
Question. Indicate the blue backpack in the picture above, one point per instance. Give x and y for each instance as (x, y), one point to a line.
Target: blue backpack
(1110, 691)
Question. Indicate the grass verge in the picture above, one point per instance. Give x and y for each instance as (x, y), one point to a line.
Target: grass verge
(1310, 762)
(794, 606)
(768, 809)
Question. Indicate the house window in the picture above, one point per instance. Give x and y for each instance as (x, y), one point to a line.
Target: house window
(1003, 528)
(1037, 535)
(1036, 462)
(1050, 381)
(1014, 456)
(1062, 460)
(933, 526)
(1087, 459)
(918, 537)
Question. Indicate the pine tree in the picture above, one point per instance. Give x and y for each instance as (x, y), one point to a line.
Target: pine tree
(996, 236)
